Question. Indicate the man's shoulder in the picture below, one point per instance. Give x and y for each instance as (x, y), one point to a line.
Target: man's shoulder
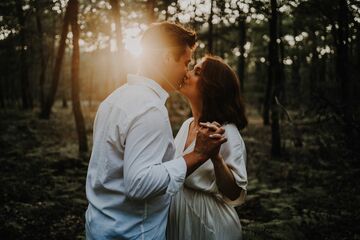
(132, 96)
(135, 100)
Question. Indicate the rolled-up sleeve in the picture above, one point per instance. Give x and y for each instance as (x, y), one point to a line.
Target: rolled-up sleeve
(148, 172)
(177, 172)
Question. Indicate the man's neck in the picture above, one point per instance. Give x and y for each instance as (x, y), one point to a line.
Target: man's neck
(157, 78)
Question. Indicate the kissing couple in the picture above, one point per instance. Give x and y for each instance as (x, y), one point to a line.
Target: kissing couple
(143, 184)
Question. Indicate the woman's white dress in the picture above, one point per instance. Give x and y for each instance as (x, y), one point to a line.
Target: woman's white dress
(199, 210)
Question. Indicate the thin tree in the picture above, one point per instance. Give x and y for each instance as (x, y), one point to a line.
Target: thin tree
(211, 28)
(282, 93)
(167, 3)
(268, 90)
(295, 70)
(115, 11)
(342, 63)
(120, 69)
(75, 86)
(150, 6)
(314, 74)
(43, 62)
(26, 96)
(242, 42)
(46, 110)
(2, 97)
(274, 75)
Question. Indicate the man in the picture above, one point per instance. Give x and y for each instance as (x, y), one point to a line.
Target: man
(132, 171)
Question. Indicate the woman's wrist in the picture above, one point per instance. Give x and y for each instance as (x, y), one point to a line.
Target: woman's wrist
(217, 159)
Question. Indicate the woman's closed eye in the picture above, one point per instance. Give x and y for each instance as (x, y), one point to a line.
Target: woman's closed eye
(197, 71)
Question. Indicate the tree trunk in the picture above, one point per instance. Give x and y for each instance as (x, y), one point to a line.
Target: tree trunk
(115, 11)
(26, 96)
(64, 88)
(4, 80)
(9, 90)
(275, 79)
(282, 93)
(322, 70)
(342, 70)
(2, 96)
(267, 99)
(46, 111)
(242, 42)
(42, 56)
(313, 78)
(296, 78)
(52, 52)
(211, 28)
(167, 4)
(64, 99)
(91, 88)
(119, 71)
(268, 89)
(178, 9)
(75, 86)
(150, 5)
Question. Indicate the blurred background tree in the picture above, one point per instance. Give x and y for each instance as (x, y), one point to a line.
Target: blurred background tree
(302, 52)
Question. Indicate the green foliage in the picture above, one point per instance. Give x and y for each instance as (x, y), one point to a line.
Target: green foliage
(310, 193)
(42, 191)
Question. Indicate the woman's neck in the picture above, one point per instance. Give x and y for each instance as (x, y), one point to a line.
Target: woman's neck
(196, 109)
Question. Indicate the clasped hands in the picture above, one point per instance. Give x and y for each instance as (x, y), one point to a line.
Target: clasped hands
(209, 138)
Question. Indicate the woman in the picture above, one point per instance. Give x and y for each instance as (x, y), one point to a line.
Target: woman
(204, 207)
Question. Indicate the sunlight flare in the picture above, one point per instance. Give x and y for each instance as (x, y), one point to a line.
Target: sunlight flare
(132, 40)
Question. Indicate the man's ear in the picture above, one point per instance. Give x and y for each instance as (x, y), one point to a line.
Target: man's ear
(167, 56)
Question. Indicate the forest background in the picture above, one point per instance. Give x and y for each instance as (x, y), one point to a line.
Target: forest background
(298, 62)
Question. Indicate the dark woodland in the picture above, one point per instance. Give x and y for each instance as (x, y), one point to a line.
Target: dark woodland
(298, 62)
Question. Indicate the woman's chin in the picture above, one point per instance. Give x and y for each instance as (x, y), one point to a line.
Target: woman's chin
(183, 91)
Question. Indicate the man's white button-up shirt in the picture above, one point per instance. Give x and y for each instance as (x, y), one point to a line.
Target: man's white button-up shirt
(132, 171)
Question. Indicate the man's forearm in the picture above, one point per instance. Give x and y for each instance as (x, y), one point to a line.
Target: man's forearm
(193, 161)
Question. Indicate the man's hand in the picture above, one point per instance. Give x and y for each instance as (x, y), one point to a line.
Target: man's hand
(209, 139)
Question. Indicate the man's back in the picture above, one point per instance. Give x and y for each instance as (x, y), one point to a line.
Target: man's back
(127, 178)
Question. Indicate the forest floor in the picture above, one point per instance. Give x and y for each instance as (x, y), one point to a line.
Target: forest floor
(311, 192)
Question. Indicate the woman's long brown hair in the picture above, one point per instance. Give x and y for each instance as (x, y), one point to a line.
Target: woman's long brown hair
(222, 99)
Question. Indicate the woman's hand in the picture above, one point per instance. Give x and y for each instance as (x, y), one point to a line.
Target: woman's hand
(208, 141)
(217, 132)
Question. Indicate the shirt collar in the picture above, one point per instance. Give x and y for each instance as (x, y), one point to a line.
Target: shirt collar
(153, 85)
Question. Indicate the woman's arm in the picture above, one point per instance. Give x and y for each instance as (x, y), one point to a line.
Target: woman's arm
(225, 179)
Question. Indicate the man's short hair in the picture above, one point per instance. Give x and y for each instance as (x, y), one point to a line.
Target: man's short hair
(166, 35)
